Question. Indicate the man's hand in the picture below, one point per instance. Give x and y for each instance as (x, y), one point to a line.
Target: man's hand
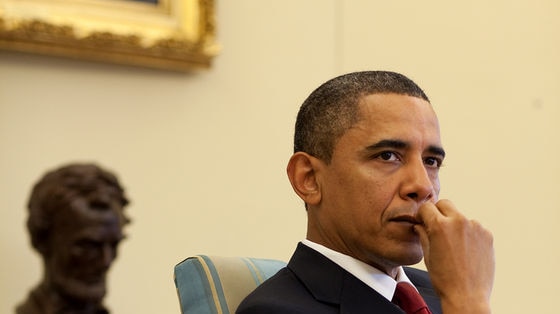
(459, 256)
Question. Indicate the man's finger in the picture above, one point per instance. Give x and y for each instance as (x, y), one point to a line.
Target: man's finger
(424, 240)
(447, 208)
(427, 213)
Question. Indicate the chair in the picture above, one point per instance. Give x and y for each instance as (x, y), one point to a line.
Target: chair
(217, 284)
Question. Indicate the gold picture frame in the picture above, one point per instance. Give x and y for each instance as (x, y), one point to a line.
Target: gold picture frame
(177, 35)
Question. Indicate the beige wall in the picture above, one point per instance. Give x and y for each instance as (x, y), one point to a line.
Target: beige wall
(203, 155)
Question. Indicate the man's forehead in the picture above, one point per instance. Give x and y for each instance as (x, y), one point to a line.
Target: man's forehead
(407, 121)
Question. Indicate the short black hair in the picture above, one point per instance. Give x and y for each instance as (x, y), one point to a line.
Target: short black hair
(332, 108)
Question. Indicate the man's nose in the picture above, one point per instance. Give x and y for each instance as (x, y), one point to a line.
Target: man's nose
(417, 183)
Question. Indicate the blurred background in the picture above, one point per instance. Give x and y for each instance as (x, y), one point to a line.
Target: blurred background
(203, 155)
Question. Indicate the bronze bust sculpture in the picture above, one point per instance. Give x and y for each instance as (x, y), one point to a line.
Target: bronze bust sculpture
(76, 217)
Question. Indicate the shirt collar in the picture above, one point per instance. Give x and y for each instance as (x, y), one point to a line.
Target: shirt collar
(371, 276)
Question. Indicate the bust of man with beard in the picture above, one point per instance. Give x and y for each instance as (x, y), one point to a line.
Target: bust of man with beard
(76, 217)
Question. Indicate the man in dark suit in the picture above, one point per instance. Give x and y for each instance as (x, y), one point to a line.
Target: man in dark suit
(367, 153)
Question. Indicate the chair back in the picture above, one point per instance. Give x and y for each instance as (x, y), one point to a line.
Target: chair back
(218, 284)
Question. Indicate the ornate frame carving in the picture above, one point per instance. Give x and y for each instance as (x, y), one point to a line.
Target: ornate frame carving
(177, 35)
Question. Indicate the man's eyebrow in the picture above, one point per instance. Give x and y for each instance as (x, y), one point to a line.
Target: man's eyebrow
(398, 144)
(436, 150)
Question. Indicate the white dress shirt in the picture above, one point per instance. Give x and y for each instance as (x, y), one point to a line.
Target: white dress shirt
(371, 276)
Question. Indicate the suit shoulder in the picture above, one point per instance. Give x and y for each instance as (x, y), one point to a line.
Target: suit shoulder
(418, 276)
(281, 293)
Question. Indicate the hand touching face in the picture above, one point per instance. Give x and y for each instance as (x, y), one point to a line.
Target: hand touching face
(459, 255)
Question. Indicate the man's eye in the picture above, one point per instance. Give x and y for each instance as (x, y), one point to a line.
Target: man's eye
(433, 162)
(388, 156)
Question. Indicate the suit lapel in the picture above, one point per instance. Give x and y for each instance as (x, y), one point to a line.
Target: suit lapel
(339, 288)
(310, 267)
(357, 297)
(431, 300)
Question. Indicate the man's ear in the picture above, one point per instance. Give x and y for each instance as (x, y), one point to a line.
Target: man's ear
(302, 172)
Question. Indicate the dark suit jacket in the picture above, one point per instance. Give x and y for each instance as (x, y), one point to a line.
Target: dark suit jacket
(312, 283)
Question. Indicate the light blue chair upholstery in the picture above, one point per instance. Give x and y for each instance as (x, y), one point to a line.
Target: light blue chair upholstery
(217, 284)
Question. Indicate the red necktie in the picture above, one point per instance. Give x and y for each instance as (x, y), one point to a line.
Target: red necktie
(409, 300)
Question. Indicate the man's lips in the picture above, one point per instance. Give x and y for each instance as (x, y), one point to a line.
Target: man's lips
(406, 219)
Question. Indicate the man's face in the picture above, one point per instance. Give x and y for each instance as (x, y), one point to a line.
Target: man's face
(382, 170)
(83, 244)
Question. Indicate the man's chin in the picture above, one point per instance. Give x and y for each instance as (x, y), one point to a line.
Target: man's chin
(412, 260)
(411, 254)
